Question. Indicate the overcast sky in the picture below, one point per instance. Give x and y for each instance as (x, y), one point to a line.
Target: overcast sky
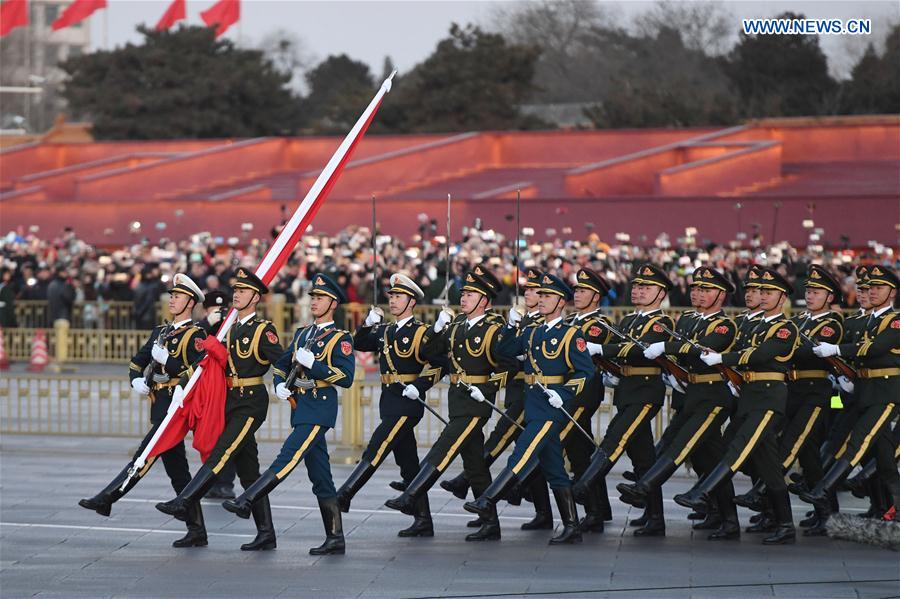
(408, 31)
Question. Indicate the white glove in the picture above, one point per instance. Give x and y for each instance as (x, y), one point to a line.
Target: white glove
(374, 316)
(411, 392)
(514, 318)
(282, 392)
(140, 386)
(304, 357)
(443, 319)
(160, 354)
(845, 384)
(214, 317)
(655, 350)
(595, 349)
(826, 350)
(554, 399)
(711, 358)
(476, 394)
(178, 396)
(610, 380)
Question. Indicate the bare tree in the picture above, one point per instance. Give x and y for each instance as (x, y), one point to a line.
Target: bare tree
(290, 55)
(704, 25)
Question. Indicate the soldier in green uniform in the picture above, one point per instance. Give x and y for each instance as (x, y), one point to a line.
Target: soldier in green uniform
(405, 378)
(318, 361)
(172, 350)
(477, 373)
(763, 359)
(252, 346)
(708, 403)
(639, 392)
(879, 382)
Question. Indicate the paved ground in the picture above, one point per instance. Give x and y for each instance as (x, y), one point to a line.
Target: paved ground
(49, 547)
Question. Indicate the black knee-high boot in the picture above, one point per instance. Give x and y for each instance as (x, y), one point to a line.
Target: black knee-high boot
(359, 477)
(334, 529)
(193, 492)
(196, 534)
(565, 502)
(102, 501)
(242, 506)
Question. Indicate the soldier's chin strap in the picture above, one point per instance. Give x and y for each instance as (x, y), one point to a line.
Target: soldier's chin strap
(483, 297)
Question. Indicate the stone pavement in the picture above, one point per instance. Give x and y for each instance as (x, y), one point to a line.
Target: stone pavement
(50, 547)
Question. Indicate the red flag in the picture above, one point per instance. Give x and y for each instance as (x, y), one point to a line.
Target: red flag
(222, 15)
(77, 12)
(13, 13)
(176, 12)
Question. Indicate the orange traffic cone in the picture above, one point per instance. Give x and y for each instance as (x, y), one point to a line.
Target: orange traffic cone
(4, 360)
(39, 357)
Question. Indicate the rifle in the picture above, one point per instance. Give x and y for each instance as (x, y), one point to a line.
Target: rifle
(665, 362)
(837, 364)
(291, 378)
(730, 374)
(571, 419)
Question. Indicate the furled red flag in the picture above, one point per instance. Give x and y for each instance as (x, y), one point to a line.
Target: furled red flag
(222, 15)
(176, 12)
(77, 12)
(13, 13)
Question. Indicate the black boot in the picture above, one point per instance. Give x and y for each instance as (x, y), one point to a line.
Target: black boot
(600, 466)
(785, 533)
(265, 530)
(565, 502)
(603, 500)
(729, 526)
(197, 488)
(334, 529)
(458, 485)
(490, 526)
(767, 522)
(818, 529)
(636, 493)
(713, 518)
(476, 523)
(819, 496)
(243, 506)
(102, 501)
(858, 484)
(640, 520)
(698, 498)
(397, 485)
(593, 520)
(656, 522)
(422, 525)
(359, 477)
(196, 529)
(752, 499)
(484, 505)
(543, 513)
(423, 481)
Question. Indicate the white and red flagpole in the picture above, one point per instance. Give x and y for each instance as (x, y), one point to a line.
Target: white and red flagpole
(280, 250)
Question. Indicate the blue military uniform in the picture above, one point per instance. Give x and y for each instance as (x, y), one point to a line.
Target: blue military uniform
(556, 359)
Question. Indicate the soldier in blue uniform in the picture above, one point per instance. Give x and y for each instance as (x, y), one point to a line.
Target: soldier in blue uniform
(405, 378)
(172, 350)
(557, 368)
(319, 359)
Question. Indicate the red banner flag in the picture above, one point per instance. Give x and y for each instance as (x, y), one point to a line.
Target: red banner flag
(13, 13)
(77, 12)
(222, 15)
(176, 12)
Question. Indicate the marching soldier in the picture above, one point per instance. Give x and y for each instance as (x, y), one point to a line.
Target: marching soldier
(405, 378)
(319, 359)
(764, 360)
(879, 382)
(695, 432)
(747, 320)
(505, 432)
(252, 346)
(477, 373)
(639, 392)
(557, 368)
(171, 351)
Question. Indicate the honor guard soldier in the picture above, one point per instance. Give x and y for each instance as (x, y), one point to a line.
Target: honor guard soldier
(639, 393)
(747, 320)
(879, 393)
(252, 347)
(171, 351)
(505, 432)
(557, 368)
(763, 359)
(469, 344)
(405, 378)
(695, 432)
(809, 391)
(318, 360)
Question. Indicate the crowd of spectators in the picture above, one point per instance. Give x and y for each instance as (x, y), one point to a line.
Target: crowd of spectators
(66, 270)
